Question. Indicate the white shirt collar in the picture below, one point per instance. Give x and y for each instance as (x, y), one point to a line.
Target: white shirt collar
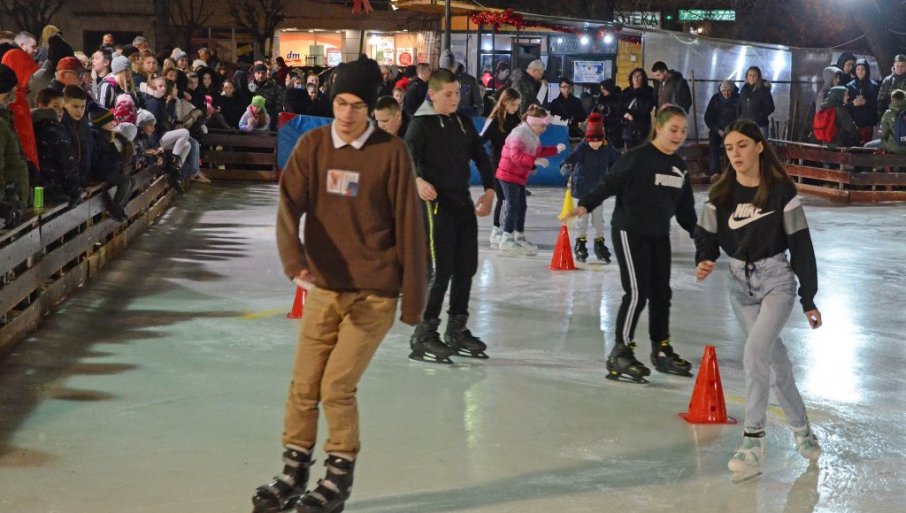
(358, 143)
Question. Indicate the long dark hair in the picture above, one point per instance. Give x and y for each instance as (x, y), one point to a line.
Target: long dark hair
(644, 77)
(770, 169)
(499, 112)
(760, 82)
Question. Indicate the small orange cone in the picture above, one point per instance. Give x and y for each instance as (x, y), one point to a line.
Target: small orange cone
(707, 405)
(563, 253)
(298, 303)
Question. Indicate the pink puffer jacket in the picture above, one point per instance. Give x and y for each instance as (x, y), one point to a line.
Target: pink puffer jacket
(521, 149)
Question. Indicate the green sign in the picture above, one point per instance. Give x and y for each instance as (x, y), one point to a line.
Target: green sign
(707, 15)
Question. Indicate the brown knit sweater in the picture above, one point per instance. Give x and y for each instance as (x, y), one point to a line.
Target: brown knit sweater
(367, 235)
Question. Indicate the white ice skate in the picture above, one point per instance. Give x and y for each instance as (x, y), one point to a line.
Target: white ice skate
(509, 246)
(496, 237)
(746, 461)
(528, 248)
(807, 443)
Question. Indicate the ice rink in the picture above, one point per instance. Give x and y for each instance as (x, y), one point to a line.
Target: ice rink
(160, 386)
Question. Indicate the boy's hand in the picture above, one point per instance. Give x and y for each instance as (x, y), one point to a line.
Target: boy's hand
(705, 267)
(577, 212)
(483, 205)
(426, 191)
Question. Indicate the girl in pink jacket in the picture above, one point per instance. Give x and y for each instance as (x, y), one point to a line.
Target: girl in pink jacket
(521, 153)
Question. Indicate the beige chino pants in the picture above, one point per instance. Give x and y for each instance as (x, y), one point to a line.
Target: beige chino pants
(339, 334)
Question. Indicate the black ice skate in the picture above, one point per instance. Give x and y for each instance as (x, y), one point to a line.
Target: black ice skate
(174, 178)
(622, 365)
(282, 493)
(333, 491)
(601, 250)
(580, 249)
(460, 339)
(666, 360)
(426, 345)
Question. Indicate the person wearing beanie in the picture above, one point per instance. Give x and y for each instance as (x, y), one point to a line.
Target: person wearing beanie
(833, 125)
(443, 143)
(264, 86)
(124, 109)
(58, 156)
(888, 129)
(896, 80)
(118, 82)
(181, 58)
(720, 113)
(569, 108)
(586, 165)
(255, 117)
(111, 162)
(69, 72)
(14, 169)
(364, 245)
(148, 152)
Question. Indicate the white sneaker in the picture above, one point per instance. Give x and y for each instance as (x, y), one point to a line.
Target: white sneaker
(496, 237)
(746, 461)
(509, 246)
(528, 248)
(807, 443)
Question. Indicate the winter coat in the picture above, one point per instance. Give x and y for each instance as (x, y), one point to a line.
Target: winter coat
(248, 123)
(721, 111)
(755, 103)
(24, 66)
(493, 133)
(847, 131)
(570, 109)
(158, 107)
(521, 149)
(59, 164)
(108, 92)
(416, 94)
(841, 63)
(890, 84)
(108, 161)
(232, 109)
(470, 103)
(609, 108)
(867, 114)
(888, 129)
(673, 90)
(12, 163)
(589, 166)
(528, 88)
(638, 103)
(272, 93)
(82, 142)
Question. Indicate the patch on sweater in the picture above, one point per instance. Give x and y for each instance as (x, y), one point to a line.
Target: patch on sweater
(343, 183)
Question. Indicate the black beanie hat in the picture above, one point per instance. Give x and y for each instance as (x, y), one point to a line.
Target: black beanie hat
(57, 48)
(8, 79)
(99, 116)
(361, 78)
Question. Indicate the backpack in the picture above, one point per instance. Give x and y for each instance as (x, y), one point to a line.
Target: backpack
(824, 126)
(899, 128)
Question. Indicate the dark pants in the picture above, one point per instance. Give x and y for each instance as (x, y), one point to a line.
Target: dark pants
(123, 184)
(715, 152)
(453, 242)
(514, 214)
(498, 189)
(645, 275)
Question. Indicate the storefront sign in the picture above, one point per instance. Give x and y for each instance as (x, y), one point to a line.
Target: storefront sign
(707, 15)
(590, 72)
(651, 19)
(405, 56)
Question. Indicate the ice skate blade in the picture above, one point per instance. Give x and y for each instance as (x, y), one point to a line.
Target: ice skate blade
(685, 374)
(466, 354)
(428, 358)
(289, 505)
(625, 378)
(739, 477)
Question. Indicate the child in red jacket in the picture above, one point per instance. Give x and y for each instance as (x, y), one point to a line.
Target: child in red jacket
(521, 153)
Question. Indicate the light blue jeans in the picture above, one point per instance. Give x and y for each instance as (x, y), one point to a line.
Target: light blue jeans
(762, 295)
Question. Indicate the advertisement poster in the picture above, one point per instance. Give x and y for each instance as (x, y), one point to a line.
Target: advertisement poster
(334, 57)
(590, 72)
(405, 56)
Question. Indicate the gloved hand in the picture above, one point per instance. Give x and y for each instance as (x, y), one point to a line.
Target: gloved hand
(566, 169)
(561, 147)
(542, 162)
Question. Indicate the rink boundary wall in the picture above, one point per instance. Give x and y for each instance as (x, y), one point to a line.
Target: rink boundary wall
(58, 249)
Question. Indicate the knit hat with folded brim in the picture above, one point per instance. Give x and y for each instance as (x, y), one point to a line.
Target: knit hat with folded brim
(361, 78)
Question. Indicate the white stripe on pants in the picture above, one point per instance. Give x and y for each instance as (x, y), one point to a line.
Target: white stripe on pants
(762, 302)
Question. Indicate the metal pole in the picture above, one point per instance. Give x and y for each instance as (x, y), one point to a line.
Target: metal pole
(447, 16)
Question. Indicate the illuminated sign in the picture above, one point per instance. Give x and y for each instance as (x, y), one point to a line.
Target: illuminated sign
(707, 15)
(651, 19)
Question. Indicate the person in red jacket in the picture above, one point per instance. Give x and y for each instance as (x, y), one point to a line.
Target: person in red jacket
(521, 153)
(24, 67)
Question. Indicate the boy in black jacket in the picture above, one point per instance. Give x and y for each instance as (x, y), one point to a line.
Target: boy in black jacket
(442, 143)
(75, 123)
(59, 165)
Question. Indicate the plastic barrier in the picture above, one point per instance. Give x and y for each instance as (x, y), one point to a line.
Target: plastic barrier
(290, 127)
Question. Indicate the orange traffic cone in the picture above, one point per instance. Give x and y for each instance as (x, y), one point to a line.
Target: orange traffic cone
(298, 303)
(563, 253)
(707, 405)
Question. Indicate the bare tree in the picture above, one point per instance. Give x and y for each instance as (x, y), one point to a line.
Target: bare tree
(261, 18)
(189, 16)
(30, 15)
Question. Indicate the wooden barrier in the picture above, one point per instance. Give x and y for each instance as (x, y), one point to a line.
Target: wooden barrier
(57, 249)
(696, 157)
(845, 175)
(235, 155)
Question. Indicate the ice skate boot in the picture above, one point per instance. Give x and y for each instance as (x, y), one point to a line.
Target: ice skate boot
(426, 345)
(461, 341)
(282, 493)
(174, 177)
(333, 491)
(496, 237)
(807, 443)
(580, 249)
(746, 461)
(509, 246)
(601, 250)
(621, 364)
(666, 360)
(528, 249)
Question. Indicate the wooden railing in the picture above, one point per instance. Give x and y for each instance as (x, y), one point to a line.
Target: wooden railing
(57, 249)
(846, 175)
(235, 155)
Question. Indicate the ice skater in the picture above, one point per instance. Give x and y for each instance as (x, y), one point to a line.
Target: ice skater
(651, 184)
(522, 152)
(502, 120)
(754, 214)
(586, 165)
(364, 245)
(442, 142)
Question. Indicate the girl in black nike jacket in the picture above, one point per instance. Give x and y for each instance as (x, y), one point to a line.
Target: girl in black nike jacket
(755, 216)
(651, 185)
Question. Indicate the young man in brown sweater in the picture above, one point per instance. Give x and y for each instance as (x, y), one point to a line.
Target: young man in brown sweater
(364, 245)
